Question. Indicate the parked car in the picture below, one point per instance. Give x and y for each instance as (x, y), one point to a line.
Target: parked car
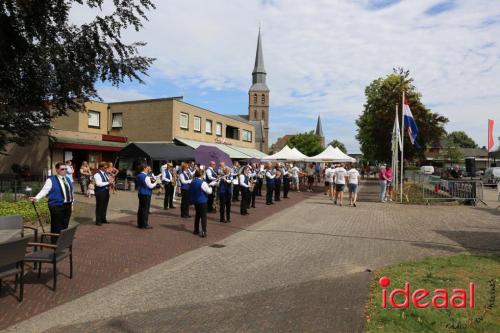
(491, 176)
(427, 169)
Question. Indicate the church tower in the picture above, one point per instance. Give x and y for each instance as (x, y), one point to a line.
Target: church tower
(258, 95)
(319, 132)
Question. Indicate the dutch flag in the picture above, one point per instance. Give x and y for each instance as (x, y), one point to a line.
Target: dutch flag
(410, 124)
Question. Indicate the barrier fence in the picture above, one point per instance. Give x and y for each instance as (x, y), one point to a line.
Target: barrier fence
(437, 189)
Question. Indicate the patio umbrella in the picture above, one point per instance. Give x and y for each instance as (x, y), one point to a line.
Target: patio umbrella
(204, 154)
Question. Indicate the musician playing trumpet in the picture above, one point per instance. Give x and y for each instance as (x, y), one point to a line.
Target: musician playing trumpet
(253, 180)
(269, 183)
(277, 182)
(146, 182)
(210, 177)
(244, 185)
(225, 193)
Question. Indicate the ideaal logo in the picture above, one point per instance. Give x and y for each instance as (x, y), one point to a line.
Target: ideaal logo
(422, 298)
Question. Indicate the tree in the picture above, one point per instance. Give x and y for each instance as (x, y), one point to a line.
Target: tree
(337, 144)
(49, 66)
(451, 153)
(308, 143)
(376, 122)
(461, 139)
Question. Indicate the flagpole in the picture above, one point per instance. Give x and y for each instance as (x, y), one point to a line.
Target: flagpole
(395, 166)
(402, 149)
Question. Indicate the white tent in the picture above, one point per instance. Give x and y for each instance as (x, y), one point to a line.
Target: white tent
(331, 154)
(299, 154)
(286, 154)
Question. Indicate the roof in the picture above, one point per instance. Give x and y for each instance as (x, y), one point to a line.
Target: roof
(177, 98)
(474, 152)
(287, 154)
(237, 153)
(158, 151)
(77, 143)
(259, 58)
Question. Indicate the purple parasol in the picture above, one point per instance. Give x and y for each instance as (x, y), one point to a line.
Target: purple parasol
(204, 154)
(253, 160)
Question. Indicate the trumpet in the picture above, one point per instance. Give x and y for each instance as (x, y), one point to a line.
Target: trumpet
(251, 184)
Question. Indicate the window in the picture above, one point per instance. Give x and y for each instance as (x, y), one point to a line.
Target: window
(232, 132)
(208, 126)
(94, 119)
(263, 99)
(184, 120)
(197, 124)
(254, 98)
(246, 136)
(117, 120)
(218, 129)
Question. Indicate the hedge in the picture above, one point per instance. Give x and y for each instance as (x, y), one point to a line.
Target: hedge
(25, 209)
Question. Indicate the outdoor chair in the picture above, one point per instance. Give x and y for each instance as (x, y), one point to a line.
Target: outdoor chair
(12, 255)
(53, 253)
(12, 227)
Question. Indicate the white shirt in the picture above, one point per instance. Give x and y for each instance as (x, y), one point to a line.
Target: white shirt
(340, 174)
(69, 170)
(99, 180)
(353, 175)
(270, 175)
(329, 173)
(295, 172)
(242, 181)
(48, 186)
(148, 182)
(184, 179)
(210, 174)
(206, 188)
(164, 173)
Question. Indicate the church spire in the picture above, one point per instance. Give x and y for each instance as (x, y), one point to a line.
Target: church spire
(319, 128)
(259, 72)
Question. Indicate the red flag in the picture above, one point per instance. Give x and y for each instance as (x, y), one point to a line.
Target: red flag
(490, 134)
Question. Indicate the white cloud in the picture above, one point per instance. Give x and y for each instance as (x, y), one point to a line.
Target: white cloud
(320, 55)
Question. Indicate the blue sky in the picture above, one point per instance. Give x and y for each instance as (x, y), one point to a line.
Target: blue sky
(320, 55)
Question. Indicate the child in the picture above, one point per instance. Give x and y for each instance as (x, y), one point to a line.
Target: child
(91, 188)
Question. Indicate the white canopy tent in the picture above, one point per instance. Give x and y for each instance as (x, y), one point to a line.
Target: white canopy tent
(286, 154)
(331, 154)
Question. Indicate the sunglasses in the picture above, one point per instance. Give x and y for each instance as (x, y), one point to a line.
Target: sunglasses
(62, 169)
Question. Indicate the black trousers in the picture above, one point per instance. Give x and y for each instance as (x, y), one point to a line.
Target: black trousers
(101, 206)
(236, 192)
(277, 189)
(200, 216)
(143, 211)
(168, 201)
(185, 202)
(244, 200)
(225, 206)
(59, 218)
(286, 187)
(258, 187)
(251, 197)
(210, 202)
(269, 193)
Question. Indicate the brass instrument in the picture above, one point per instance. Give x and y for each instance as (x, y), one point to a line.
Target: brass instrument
(251, 184)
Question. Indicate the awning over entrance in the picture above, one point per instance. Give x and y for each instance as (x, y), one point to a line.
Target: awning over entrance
(158, 151)
(234, 152)
(70, 143)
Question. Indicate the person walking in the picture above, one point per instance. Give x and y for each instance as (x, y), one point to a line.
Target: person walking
(146, 184)
(269, 183)
(102, 184)
(383, 183)
(244, 185)
(310, 177)
(389, 186)
(329, 184)
(340, 178)
(168, 179)
(59, 190)
(353, 180)
(295, 178)
(85, 175)
(185, 180)
(225, 195)
(199, 191)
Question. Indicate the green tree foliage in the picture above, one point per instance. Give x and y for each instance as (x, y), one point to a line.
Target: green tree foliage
(461, 139)
(50, 65)
(376, 122)
(308, 143)
(337, 144)
(451, 152)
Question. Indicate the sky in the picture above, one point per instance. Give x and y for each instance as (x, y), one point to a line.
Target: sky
(320, 55)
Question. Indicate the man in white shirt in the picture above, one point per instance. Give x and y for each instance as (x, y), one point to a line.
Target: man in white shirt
(329, 184)
(353, 176)
(211, 176)
(59, 190)
(340, 175)
(102, 183)
(146, 184)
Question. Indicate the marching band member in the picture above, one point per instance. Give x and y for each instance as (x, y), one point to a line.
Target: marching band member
(146, 185)
(200, 190)
(253, 175)
(102, 183)
(286, 181)
(225, 195)
(210, 177)
(269, 183)
(244, 184)
(185, 180)
(260, 180)
(277, 183)
(167, 179)
(236, 185)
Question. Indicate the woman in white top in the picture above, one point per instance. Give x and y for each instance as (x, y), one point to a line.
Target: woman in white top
(353, 176)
